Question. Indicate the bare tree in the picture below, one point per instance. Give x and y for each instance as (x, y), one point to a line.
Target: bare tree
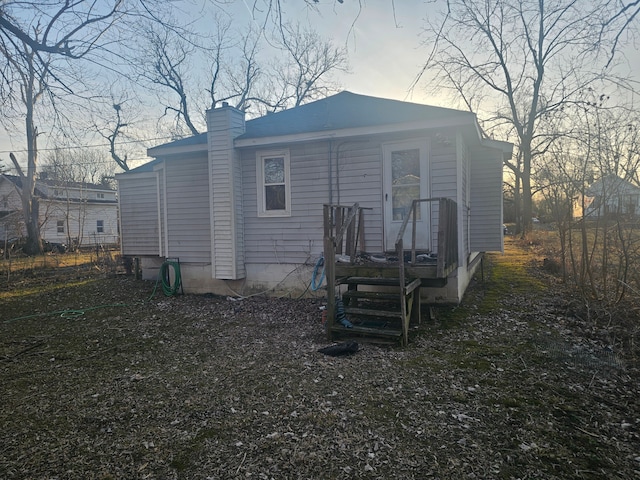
(617, 18)
(237, 76)
(242, 73)
(34, 37)
(112, 131)
(522, 60)
(310, 61)
(33, 83)
(68, 28)
(168, 65)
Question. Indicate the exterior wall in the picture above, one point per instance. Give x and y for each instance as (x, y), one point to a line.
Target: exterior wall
(297, 238)
(464, 198)
(486, 200)
(138, 197)
(279, 252)
(80, 218)
(227, 236)
(9, 197)
(187, 217)
(356, 172)
(443, 175)
(80, 222)
(359, 178)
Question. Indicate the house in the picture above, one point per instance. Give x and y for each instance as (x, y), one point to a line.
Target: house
(612, 195)
(71, 213)
(241, 206)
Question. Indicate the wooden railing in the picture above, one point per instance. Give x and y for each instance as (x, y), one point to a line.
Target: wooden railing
(345, 225)
(447, 252)
(344, 239)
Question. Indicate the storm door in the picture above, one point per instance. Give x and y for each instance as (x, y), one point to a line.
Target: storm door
(406, 167)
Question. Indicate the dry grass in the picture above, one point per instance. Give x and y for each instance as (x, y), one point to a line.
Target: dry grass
(117, 385)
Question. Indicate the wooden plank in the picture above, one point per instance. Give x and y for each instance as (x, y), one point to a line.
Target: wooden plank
(367, 295)
(368, 331)
(369, 312)
(372, 281)
(411, 286)
(330, 275)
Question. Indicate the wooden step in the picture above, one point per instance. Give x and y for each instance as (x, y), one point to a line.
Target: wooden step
(396, 334)
(409, 285)
(371, 312)
(366, 295)
(388, 282)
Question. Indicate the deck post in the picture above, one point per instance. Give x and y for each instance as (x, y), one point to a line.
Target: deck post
(330, 275)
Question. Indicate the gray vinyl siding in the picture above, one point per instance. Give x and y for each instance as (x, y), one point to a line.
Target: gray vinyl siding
(463, 156)
(187, 210)
(138, 197)
(227, 229)
(357, 177)
(486, 200)
(360, 180)
(161, 211)
(443, 179)
(297, 238)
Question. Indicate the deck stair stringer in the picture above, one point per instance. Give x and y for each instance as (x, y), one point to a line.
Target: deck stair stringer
(379, 315)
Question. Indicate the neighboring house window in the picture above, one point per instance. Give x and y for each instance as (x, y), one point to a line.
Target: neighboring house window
(60, 226)
(631, 204)
(274, 185)
(100, 195)
(100, 226)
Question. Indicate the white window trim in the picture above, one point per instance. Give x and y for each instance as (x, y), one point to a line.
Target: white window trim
(260, 156)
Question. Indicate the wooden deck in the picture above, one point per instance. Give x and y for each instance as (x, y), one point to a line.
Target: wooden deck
(382, 296)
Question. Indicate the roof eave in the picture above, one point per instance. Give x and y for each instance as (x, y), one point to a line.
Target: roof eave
(168, 149)
(505, 147)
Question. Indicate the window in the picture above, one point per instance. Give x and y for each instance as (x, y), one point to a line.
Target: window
(99, 195)
(100, 226)
(274, 189)
(60, 226)
(405, 182)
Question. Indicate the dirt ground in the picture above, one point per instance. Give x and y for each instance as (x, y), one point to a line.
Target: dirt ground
(98, 380)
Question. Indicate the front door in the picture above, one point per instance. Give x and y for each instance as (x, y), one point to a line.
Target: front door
(406, 167)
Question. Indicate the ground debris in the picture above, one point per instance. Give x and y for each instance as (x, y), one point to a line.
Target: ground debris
(207, 387)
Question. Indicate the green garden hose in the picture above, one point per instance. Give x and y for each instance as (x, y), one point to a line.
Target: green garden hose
(165, 276)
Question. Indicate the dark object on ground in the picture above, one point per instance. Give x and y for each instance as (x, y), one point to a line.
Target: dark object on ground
(54, 247)
(339, 349)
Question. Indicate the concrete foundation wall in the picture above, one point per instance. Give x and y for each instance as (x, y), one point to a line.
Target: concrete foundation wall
(288, 279)
(272, 279)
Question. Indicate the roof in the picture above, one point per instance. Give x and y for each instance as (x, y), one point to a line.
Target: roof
(343, 111)
(346, 110)
(612, 185)
(53, 184)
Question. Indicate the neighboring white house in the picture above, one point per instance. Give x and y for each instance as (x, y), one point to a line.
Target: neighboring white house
(612, 195)
(70, 213)
(241, 205)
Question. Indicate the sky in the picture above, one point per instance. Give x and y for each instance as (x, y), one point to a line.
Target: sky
(383, 43)
(382, 38)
